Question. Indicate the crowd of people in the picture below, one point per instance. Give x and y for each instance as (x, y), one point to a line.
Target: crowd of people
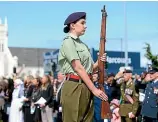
(132, 98)
(30, 99)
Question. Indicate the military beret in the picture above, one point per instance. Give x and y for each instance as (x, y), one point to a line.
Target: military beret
(74, 17)
(128, 70)
(152, 71)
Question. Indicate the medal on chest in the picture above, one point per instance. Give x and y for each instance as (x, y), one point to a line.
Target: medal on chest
(128, 91)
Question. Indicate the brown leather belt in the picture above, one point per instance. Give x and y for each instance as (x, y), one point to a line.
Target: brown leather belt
(75, 78)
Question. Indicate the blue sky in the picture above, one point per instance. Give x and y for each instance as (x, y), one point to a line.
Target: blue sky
(40, 24)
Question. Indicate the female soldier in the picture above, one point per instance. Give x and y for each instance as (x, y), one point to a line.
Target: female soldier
(76, 63)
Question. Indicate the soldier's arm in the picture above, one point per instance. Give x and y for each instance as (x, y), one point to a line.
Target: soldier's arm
(136, 102)
(140, 84)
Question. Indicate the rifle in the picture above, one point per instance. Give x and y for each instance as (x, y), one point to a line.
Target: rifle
(105, 106)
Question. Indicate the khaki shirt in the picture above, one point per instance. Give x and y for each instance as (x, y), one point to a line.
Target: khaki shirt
(73, 48)
(128, 89)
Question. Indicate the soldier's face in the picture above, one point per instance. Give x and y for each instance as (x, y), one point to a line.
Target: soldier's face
(127, 76)
(79, 27)
(154, 76)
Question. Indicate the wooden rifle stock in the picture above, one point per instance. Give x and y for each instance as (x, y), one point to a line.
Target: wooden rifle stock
(105, 107)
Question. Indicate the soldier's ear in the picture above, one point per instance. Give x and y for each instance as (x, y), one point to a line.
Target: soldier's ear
(72, 25)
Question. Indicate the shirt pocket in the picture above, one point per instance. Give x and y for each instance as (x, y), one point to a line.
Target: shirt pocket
(82, 53)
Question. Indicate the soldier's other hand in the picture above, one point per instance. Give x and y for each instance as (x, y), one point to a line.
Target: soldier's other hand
(131, 115)
(100, 94)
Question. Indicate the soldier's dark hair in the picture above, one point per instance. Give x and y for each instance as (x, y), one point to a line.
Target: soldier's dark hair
(66, 29)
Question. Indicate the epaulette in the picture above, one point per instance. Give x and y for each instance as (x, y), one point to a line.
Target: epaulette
(66, 37)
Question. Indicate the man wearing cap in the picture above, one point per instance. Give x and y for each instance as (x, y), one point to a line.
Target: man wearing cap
(129, 98)
(150, 104)
(76, 63)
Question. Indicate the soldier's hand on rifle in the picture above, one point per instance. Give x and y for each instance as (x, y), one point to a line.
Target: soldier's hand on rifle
(103, 57)
(100, 94)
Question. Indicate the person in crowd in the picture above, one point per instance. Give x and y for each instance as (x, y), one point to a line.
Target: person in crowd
(140, 86)
(36, 95)
(114, 107)
(97, 101)
(47, 94)
(150, 104)
(8, 90)
(2, 99)
(61, 79)
(129, 97)
(28, 117)
(16, 113)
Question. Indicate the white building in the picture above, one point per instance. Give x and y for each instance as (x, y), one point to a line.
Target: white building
(7, 61)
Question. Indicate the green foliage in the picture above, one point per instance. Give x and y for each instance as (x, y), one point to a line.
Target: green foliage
(150, 56)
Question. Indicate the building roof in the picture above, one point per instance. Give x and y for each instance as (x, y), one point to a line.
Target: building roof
(32, 57)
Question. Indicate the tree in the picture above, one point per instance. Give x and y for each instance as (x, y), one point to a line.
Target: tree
(150, 56)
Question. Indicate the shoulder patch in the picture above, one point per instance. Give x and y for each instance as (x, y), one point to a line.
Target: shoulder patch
(67, 37)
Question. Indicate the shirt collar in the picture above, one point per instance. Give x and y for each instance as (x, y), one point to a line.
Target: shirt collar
(73, 36)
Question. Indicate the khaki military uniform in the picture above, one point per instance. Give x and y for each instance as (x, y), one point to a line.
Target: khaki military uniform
(76, 99)
(125, 105)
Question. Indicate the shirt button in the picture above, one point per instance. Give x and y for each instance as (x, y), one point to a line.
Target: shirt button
(147, 101)
(148, 97)
(149, 92)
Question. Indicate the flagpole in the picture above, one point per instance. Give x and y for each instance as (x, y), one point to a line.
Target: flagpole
(125, 35)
